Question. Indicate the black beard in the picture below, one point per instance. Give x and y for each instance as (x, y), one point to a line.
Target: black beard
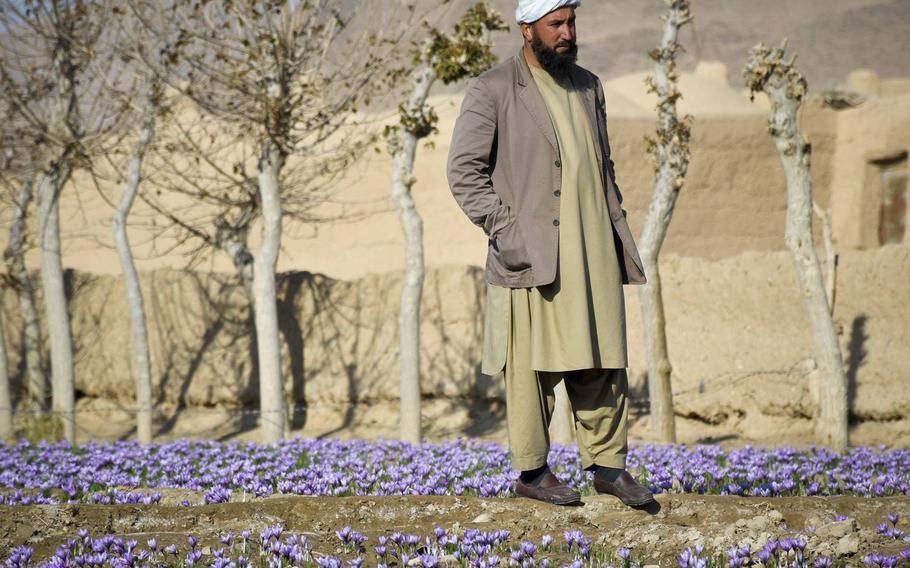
(558, 65)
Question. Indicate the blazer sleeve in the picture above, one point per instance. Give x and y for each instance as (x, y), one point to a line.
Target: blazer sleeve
(470, 162)
(602, 111)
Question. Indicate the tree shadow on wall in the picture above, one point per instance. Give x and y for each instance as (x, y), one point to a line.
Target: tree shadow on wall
(856, 358)
(10, 324)
(348, 321)
(289, 287)
(91, 322)
(14, 334)
(311, 309)
(221, 317)
(458, 356)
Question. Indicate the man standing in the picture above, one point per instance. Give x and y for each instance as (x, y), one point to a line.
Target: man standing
(530, 164)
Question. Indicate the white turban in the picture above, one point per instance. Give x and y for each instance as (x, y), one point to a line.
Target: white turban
(529, 11)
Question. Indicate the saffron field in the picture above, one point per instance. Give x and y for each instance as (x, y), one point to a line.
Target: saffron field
(359, 503)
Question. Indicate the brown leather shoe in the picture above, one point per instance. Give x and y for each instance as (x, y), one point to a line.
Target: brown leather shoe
(549, 490)
(626, 488)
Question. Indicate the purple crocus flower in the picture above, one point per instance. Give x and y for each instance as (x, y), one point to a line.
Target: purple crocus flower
(218, 495)
(20, 557)
(329, 562)
(344, 534)
(546, 541)
(439, 532)
(193, 556)
(429, 560)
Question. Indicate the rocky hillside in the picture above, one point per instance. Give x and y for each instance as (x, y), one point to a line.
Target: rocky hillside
(832, 37)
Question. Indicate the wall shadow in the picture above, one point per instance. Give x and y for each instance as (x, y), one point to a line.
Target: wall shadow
(91, 325)
(459, 352)
(350, 336)
(14, 335)
(12, 345)
(289, 287)
(857, 356)
(216, 294)
(341, 340)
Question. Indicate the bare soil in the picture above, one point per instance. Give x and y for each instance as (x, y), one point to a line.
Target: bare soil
(659, 533)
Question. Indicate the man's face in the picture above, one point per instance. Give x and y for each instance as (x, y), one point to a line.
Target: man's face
(556, 31)
(552, 39)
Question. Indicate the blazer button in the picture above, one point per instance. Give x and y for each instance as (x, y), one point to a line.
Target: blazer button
(557, 193)
(558, 164)
(555, 222)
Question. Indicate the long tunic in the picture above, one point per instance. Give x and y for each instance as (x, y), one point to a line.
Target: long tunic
(577, 321)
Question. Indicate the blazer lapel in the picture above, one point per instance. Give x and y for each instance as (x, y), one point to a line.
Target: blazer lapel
(533, 101)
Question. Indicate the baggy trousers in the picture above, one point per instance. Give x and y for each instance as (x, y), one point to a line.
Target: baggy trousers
(598, 398)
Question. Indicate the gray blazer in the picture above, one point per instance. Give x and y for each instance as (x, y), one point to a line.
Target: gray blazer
(504, 171)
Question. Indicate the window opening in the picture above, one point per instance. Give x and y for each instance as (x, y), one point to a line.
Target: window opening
(892, 219)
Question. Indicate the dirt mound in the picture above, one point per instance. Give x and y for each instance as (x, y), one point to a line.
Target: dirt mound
(659, 534)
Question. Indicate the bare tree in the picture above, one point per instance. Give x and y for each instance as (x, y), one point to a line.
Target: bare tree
(446, 57)
(47, 48)
(18, 181)
(767, 71)
(670, 150)
(147, 60)
(142, 372)
(274, 87)
(204, 191)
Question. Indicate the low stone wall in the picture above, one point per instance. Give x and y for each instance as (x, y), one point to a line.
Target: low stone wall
(737, 333)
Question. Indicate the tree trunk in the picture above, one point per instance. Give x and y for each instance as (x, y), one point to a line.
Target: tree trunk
(231, 238)
(785, 88)
(830, 255)
(14, 254)
(660, 390)
(833, 393)
(55, 307)
(671, 151)
(142, 372)
(6, 401)
(271, 386)
(412, 227)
